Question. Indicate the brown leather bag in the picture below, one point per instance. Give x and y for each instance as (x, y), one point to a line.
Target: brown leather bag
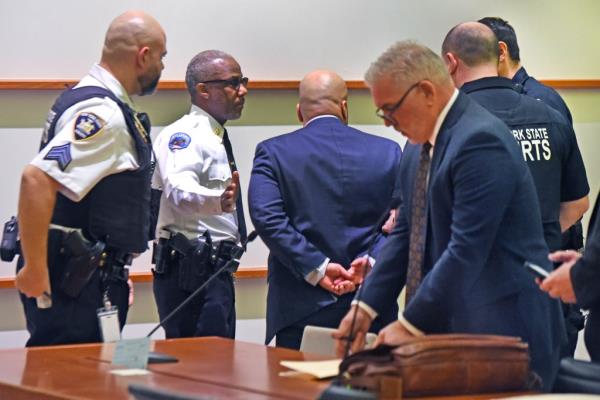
(433, 365)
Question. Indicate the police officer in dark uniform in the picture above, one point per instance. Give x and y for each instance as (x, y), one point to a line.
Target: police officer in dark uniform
(547, 141)
(509, 66)
(84, 206)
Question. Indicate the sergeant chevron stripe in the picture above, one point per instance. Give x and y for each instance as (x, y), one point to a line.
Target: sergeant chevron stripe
(60, 154)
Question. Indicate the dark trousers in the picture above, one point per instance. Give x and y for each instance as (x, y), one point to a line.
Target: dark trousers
(574, 322)
(592, 334)
(328, 317)
(72, 320)
(572, 239)
(210, 313)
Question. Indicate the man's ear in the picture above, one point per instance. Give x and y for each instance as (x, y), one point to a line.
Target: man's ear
(428, 90)
(299, 114)
(502, 52)
(142, 57)
(344, 109)
(451, 62)
(202, 91)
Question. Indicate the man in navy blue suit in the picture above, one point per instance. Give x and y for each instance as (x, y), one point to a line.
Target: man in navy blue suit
(316, 196)
(468, 219)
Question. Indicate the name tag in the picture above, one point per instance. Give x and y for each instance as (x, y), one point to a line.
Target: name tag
(109, 324)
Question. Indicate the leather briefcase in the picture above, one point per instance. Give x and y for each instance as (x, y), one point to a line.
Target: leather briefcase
(432, 365)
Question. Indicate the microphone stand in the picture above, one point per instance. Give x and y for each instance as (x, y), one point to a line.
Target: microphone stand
(154, 357)
(335, 391)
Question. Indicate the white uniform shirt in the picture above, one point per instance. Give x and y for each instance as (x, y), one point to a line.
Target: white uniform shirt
(193, 171)
(109, 150)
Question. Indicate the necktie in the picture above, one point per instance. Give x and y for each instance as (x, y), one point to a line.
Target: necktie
(239, 206)
(418, 225)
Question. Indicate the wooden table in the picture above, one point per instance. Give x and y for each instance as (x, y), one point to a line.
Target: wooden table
(213, 367)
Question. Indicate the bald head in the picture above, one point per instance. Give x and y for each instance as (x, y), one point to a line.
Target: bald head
(130, 31)
(472, 42)
(470, 51)
(134, 44)
(322, 92)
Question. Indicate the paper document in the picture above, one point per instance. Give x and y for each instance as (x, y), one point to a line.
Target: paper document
(318, 369)
(132, 353)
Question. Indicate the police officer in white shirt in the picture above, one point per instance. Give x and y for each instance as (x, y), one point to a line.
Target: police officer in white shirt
(84, 200)
(201, 218)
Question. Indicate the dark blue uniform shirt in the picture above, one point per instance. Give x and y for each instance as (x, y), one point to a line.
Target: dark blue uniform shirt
(547, 142)
(534, 88)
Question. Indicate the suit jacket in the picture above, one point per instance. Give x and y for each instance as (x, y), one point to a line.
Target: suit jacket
(316, 193)
(585, 274)
(483, 223)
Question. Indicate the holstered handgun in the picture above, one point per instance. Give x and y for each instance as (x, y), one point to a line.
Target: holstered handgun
(83, 257)
(9, 247)
(228, 254)
(193, 261)
(160, 256)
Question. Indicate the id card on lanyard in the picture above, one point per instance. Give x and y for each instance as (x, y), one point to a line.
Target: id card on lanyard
(108, 319)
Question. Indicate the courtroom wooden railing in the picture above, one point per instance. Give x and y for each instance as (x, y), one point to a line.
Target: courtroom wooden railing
(141, 277)
(59, 84)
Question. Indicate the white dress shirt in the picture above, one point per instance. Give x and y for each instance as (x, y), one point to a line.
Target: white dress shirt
(192, 170)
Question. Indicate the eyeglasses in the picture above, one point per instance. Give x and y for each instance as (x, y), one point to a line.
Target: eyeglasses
(384, 112)
(234, 82)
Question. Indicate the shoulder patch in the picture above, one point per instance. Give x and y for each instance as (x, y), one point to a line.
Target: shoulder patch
(60, 154)
(87, 125)
(179, 141)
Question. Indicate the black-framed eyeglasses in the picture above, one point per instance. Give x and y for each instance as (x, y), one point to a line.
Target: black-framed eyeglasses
(384, 112)
(234, 82)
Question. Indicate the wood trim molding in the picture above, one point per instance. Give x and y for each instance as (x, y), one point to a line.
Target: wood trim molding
(572, 83)
(58, 84)
(145, 277)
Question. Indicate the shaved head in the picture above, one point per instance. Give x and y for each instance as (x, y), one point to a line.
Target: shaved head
(130, 31)
(134, 46)
(322, 92)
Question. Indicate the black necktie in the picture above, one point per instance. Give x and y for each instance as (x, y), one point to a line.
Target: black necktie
(239, 206)
(418, 225)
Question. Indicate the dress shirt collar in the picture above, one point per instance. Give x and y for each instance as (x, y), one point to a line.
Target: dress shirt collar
(319, 117)
(441, 118)
(109, 81)
(216, 127)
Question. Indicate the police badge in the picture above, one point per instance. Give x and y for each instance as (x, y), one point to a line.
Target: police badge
(179, 141)
(87, 125)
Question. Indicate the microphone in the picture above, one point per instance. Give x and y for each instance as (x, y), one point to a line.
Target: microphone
(336, 390)
(154, 357)
(374, 234)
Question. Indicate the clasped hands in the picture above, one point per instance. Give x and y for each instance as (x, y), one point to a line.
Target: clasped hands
(339, 280)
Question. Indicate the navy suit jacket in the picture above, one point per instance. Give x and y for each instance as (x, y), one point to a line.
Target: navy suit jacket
(483, 223)
(316, 193)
